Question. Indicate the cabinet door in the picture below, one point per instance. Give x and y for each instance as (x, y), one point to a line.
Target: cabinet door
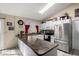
(38, 37)
(43, 26)
(48, 25)
(56, 31)
(52, 39)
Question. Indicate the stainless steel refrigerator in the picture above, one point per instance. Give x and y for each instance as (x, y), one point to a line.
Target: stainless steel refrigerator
(63, 36)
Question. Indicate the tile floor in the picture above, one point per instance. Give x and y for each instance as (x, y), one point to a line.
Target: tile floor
(11, 52)
(73, 53)
(60, 53)
(16, 52)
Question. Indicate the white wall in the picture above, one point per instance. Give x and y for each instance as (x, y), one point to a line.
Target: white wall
(10, 39)
(32, 24)
(27, 21)
(70, 10)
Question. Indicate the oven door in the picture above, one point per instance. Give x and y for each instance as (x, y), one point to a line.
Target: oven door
(47, 38)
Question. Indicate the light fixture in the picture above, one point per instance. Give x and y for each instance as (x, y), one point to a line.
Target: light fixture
(51, 3)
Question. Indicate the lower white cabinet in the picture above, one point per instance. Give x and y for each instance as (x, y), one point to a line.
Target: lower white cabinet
(25, 50)
(52, 39)
(38, 37)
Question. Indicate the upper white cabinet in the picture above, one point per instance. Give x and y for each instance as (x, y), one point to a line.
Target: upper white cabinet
(43, 26)
(49, 25)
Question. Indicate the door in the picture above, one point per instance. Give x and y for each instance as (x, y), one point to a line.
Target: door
(1, 34)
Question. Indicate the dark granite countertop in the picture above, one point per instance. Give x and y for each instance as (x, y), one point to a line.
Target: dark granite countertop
(40, 47)
(35, 34)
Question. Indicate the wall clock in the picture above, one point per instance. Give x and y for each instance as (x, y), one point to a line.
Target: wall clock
(20, 22)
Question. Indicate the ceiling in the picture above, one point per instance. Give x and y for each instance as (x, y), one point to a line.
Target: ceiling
(30, 10)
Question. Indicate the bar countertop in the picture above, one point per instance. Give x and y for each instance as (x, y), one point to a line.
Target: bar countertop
(40, 47)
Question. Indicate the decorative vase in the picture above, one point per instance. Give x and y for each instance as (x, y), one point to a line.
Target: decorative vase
(37, 28)
(27, 28)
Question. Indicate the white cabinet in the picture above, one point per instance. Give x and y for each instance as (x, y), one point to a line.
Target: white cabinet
(52, 39)
(38, 37)
(48, 25)
(43, 26)
(25, 49)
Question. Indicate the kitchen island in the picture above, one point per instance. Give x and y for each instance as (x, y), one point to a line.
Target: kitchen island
(36, 47)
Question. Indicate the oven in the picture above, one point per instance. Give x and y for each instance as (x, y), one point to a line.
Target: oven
(48, 34)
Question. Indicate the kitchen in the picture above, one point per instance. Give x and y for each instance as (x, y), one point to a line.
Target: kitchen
(53, 33)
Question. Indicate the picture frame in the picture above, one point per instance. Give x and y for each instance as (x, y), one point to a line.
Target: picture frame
(10, 28)
(77, 12)
(9, 23)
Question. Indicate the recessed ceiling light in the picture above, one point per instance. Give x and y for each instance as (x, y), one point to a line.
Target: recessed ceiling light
(46, 7)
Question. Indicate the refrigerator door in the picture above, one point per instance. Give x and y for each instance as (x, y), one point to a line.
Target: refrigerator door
(75, 34)
(66, 32)
(56, 29)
